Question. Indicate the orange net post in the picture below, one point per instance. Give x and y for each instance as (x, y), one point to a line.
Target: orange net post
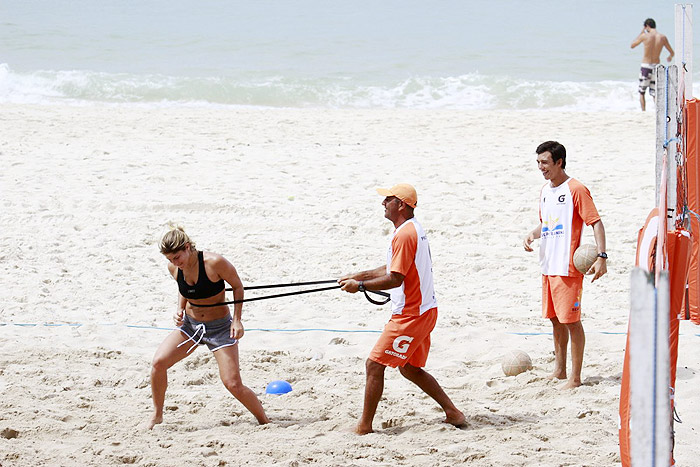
(692, 144)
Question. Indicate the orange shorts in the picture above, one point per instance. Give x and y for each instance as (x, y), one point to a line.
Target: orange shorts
(406, 339)
(561, 298)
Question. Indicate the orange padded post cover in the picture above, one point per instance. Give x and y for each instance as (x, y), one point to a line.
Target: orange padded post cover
(692, 142)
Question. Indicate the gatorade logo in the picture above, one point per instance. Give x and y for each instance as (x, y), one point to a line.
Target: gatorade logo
(562, 198)
(401, 343)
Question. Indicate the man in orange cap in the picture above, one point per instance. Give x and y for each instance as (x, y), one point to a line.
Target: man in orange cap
(405, 341)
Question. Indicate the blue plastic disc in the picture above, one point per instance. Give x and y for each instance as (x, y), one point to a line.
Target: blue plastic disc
(278, 387)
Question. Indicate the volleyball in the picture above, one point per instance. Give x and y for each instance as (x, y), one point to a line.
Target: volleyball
(515, 362)
(584, 257)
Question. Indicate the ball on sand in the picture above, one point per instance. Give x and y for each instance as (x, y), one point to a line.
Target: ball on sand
(515, 362)
(278, 387)
(584, 257)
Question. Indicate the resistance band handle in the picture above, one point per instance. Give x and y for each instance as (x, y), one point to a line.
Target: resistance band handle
(387, 297)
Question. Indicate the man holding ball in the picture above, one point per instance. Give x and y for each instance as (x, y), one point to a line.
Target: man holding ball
(565, 205)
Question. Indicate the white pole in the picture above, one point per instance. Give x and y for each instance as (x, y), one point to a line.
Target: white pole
(650, 406)
(684, 44)
(666, 128)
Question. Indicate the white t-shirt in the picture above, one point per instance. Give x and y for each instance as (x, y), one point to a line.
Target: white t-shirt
(563, 211)
(409, 255)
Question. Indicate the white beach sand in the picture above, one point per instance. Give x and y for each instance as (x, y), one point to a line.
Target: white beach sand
(288, 195)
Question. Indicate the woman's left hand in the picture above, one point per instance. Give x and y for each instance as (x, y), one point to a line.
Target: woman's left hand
(237, 329)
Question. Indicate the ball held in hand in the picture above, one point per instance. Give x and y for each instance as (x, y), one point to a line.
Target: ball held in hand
(584, 257)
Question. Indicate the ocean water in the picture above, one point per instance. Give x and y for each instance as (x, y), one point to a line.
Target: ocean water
(466, 54)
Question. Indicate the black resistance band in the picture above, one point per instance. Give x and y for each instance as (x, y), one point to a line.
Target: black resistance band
(385, 300)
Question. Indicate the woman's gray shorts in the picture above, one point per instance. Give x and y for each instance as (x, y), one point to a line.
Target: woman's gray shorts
(215, 334)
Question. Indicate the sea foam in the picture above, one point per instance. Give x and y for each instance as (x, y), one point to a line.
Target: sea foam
(471, 91)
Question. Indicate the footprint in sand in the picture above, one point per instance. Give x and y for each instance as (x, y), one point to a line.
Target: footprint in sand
(9, 433)
(392, 422)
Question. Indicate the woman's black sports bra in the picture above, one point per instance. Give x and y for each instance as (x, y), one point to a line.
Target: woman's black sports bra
(204, 288)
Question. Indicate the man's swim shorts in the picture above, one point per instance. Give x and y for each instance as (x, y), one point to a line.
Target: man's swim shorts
(405, 339)
(647, 79)
(561, 298)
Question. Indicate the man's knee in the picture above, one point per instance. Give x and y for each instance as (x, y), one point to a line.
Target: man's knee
(410, 372)
(373, 368)
(575, 327)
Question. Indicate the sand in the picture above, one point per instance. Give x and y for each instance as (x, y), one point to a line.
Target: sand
(288, 195)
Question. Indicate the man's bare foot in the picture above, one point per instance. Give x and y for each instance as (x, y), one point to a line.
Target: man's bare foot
(363, 430)
(557, 375)
(155, 420)
(457, 419)
(572, 383)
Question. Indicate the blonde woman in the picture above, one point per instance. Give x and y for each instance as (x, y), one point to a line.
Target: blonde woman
(200, 277)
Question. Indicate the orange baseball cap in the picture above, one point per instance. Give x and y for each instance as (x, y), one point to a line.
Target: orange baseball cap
(402, 191)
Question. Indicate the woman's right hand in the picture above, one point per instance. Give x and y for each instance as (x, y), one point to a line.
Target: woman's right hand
(178, 317)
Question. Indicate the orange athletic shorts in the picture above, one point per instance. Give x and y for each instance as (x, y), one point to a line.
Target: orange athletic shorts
(406, 339)
(561, 298)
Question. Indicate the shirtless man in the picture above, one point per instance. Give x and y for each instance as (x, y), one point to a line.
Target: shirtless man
(654, 42)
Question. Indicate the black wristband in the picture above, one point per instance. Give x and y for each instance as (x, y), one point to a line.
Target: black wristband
(361, 286)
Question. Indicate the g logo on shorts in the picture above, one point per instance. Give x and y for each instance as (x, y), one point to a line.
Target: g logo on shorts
(402, 343)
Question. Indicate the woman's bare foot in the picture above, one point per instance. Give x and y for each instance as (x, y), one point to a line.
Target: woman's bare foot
(155, 420)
